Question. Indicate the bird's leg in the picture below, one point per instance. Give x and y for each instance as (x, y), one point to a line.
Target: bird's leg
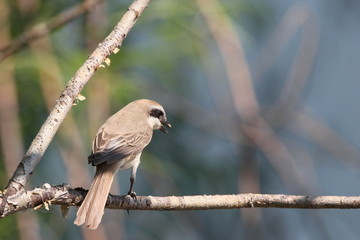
(132, 180)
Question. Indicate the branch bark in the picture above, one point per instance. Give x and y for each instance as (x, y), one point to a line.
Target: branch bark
(15, 192)
(65, 196)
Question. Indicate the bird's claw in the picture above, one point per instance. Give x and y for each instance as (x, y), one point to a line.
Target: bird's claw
(132, 195)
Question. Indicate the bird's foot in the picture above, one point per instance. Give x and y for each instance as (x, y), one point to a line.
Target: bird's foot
(133, 195)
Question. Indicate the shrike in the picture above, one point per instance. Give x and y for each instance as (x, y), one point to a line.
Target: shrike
(118, 145)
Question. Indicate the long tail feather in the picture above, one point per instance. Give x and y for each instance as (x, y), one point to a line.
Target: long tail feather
(92, 208)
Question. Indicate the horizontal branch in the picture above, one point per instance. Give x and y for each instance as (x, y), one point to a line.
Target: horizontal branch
(66, 196)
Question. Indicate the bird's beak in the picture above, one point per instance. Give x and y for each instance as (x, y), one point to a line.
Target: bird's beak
(166, 124)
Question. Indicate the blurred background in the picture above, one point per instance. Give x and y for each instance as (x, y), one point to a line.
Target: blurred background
(262, 95)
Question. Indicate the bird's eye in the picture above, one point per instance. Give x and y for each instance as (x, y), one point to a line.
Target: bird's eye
(156, 113)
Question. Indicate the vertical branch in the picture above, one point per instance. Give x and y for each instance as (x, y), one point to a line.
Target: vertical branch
(67, 97)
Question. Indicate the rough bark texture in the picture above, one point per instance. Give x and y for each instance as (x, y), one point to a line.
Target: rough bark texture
(65, 196)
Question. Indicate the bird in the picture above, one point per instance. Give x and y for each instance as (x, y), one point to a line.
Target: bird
(118, 145)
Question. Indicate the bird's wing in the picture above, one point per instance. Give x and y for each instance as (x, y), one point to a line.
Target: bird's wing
(113, 148)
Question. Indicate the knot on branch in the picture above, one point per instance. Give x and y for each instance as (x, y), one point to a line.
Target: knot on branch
(21, 199)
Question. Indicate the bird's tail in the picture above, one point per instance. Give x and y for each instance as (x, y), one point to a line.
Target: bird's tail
(92, 208)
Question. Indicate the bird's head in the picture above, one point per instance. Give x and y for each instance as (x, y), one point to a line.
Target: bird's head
(156, 115)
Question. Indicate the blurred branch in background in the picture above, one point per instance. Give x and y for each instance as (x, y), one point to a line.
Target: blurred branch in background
(298, 17)
(255, 128)
(10, 127)
(42, 29)
(244, 99)
(308, 126)
(295, 18)
(284, 112)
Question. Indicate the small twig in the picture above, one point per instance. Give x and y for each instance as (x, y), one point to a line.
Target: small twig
(42, 29)
(64, 103)
(66, 196)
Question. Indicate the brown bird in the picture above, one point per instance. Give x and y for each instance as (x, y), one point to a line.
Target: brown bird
(118, 145)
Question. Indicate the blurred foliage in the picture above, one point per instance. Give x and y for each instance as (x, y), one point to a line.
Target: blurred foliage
(172, 56)
(8, 228)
